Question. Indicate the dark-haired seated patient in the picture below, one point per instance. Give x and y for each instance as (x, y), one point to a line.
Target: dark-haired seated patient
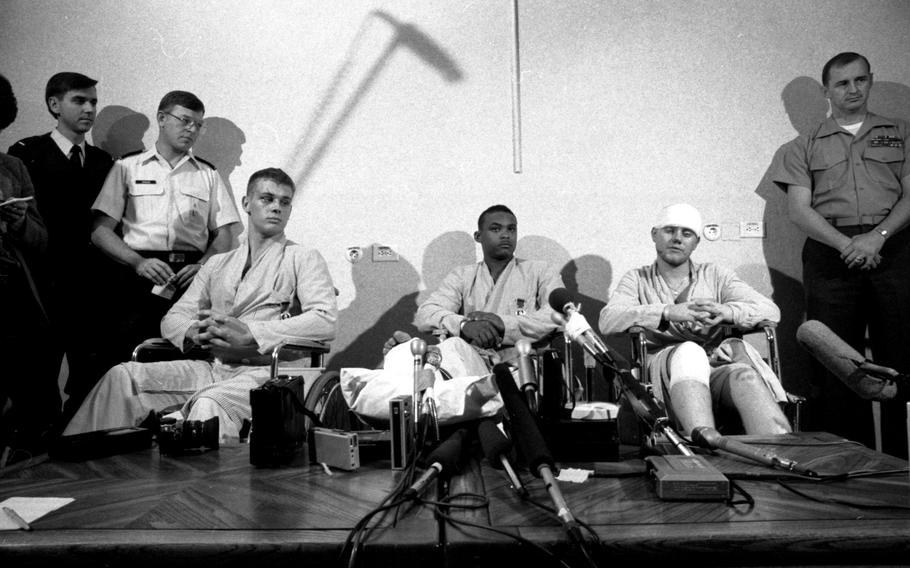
(483, 308)
(240, 305)
(682, 304)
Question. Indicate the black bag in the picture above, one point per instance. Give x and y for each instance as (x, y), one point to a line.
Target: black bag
(279, 423)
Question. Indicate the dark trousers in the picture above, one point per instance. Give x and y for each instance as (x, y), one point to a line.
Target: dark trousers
(848, 301)
(28, 380)
(128, 314)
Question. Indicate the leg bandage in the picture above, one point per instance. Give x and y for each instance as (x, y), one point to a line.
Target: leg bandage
(689, 362)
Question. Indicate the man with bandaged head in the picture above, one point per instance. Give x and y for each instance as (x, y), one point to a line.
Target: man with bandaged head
(684, 306)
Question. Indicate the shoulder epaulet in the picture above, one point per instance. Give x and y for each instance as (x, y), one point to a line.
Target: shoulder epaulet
(133, 153)
(25, 142)
(206, 162)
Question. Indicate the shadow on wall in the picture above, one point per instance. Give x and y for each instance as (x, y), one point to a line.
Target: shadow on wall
(444, 254)
(119, 130)
(806, 107)
(221, 143)
(385, 294)
(349, 87)
(588, 278)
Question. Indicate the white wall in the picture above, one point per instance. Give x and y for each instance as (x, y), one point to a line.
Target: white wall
(627, 106)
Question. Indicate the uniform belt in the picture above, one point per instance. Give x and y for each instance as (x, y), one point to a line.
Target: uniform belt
(173, 256)
(860, 220)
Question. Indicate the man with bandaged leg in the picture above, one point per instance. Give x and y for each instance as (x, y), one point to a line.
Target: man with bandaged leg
(683, 305)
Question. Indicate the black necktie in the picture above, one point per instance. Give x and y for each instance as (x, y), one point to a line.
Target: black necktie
(74, 156)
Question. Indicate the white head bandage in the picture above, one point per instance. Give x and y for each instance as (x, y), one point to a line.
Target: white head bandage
(680, 215)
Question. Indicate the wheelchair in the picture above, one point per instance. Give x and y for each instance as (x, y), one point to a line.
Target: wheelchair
(288, 359)
(763, 332)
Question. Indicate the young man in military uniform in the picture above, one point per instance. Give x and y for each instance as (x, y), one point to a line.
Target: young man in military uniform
(848, 188)
(161, 213)
(67, 173)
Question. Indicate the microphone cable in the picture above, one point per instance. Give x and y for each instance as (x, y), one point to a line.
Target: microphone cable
(361, 531)
(516, 537)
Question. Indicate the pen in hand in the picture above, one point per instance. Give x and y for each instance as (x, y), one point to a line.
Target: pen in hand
(14, 516)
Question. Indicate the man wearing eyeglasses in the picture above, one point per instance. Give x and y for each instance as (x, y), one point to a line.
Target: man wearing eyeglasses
(161, 213)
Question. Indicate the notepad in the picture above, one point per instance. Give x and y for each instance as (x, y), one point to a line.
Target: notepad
(30, 509)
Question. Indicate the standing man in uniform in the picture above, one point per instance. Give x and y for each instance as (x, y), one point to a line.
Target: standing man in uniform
(67, 173)
(161, 213)
(848, 188)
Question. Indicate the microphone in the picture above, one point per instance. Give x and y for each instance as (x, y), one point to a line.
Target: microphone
(868, 380)
(418, 348)
(428, 408)
(710, 438)
(496, 447)
(578, 329)
(526, 375)
(444, 460)
(532, 446)
(643, 403)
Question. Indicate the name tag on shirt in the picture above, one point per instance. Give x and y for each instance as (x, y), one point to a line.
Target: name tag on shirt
(151, 181)
(886, 142)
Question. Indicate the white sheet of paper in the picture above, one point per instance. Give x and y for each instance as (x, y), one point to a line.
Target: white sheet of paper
(30, 509)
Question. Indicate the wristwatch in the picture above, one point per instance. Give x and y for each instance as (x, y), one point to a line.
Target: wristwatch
(882, 232)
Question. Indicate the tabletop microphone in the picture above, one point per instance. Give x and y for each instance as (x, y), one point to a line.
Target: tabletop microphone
(434, 362)
(445, 459)
(532, 446)
(526, 375)
(579, 330)
(496, 447)
(711, 439)
(428, 407)
(418, 349)
(868, 380)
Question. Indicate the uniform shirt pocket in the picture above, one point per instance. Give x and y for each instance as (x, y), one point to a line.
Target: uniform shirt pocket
(146, 200)
(193, 205)
(829, 168)
(884, 165)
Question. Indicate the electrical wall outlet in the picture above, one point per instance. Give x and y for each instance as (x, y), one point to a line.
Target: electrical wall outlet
(353, 254)
(752, 229)
(382, 253)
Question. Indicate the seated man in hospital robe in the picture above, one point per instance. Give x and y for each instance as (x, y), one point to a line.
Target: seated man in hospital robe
(240, 306)
(484, 309)
(682, 305)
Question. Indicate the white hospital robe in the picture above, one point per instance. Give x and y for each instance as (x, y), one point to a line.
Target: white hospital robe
(287, 294)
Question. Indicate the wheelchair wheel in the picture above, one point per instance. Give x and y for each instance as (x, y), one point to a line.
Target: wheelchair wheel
(325, 400)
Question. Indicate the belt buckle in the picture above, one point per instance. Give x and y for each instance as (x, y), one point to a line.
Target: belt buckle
(176, 257)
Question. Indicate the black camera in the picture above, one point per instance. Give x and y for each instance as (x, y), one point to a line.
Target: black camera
(182, 437)
(279, 434)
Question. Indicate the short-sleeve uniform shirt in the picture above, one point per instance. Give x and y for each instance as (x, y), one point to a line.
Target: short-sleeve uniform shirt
(160, 208)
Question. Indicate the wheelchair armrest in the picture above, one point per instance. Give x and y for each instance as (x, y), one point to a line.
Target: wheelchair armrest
(292, 350)
(639, 351)
(160, 349)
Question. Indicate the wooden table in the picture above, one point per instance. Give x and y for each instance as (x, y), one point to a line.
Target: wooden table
(142, 509)
(855, 521)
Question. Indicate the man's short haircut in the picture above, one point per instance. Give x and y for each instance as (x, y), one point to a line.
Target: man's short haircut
(273, 174)
(840, 60)
(182, 98)
(490, 210)
(62, 83)
(8, 107)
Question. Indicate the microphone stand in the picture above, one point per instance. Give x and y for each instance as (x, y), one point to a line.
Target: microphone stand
(646, 407)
